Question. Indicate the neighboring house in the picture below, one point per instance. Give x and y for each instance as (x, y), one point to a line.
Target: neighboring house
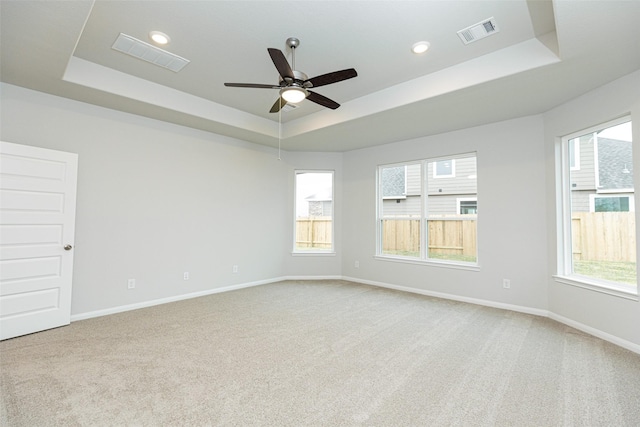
(320, 204)
(601, 174)
(451, 188)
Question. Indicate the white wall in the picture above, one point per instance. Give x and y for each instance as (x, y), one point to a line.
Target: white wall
(156, 200)
(316, 265)
(512, 236)
(606, 313)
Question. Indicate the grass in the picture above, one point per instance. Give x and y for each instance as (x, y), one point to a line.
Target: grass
(621, 272)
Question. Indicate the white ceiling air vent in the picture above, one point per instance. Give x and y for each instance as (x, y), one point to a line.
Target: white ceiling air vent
(478, 31)
(145, 51)
(289, 107)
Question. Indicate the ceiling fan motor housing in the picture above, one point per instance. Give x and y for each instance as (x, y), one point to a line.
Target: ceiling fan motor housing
(300, 79)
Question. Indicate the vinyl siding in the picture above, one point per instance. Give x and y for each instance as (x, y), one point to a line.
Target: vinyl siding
(413, 180)
(439, 205)
(461, 183)
(402, 207)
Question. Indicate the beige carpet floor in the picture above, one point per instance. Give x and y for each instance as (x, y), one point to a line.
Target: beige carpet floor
(325, 353)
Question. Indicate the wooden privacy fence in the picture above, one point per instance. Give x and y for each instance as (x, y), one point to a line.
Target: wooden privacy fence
(446, 237)
(313, 233)
(603, 236)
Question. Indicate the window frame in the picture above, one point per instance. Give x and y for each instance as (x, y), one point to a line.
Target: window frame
(313, 251)
(564, 263)
(424, 259)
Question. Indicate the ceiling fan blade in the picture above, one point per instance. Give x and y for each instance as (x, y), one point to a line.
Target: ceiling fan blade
(252, 85)
(280, 102)
(281, 63)
(322, 100)
(336, 76)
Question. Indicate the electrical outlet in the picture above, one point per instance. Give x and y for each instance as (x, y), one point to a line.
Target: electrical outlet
(356, 264)
(235, 269)
(131, 283)
(185, 276)
(506, 283)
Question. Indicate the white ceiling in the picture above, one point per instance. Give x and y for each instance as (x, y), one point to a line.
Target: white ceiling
(544, 54)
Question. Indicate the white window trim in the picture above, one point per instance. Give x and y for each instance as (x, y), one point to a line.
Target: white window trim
(435, 168)
(601, 286)
(315, 251)
(563, 197)
(618, 194)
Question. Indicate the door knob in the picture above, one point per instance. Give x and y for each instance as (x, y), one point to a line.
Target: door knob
(68, 247)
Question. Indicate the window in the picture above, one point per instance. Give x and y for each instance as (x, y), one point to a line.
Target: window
(467, 206)
(436, 221)
(444, 169)
(314, 212)
(598, 210)
(603, 203)
(394, 179)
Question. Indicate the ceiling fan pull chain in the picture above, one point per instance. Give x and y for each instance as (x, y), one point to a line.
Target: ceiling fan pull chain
(279, 126)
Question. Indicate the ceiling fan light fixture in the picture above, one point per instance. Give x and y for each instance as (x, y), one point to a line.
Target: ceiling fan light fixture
(293, 94)
(159, 37)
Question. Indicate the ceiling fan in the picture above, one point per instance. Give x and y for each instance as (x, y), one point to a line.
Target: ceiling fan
(294, 85)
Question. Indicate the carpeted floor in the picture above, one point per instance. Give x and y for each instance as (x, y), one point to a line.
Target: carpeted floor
(326, 353)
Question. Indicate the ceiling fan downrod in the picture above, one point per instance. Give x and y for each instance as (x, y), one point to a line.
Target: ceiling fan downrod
(293, 43)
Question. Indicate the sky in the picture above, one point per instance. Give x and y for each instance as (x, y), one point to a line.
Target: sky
(308, 184)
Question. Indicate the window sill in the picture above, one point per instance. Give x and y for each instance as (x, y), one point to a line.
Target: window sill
(430, 263)
(602, 287)
(314, 253)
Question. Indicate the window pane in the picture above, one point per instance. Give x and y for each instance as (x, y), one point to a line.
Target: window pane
(611, 204)
(452, 222)
(314, 211)
(468, 207)
(603, 234)
(444, 168)
(400, 217)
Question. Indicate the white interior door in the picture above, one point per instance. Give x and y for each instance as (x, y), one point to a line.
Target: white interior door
(37, 218)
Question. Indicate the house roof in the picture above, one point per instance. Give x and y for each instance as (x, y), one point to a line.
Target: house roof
(529, 66)
(615, 168)
(323, 195)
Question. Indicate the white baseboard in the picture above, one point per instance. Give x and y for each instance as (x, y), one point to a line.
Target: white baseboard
(487, 303)
(596, 332)
(313, 278)
(528, 310)
(144, 304)
(521, 309)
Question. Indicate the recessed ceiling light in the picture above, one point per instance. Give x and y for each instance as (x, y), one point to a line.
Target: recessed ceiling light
(420, 47)
(158, 37)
